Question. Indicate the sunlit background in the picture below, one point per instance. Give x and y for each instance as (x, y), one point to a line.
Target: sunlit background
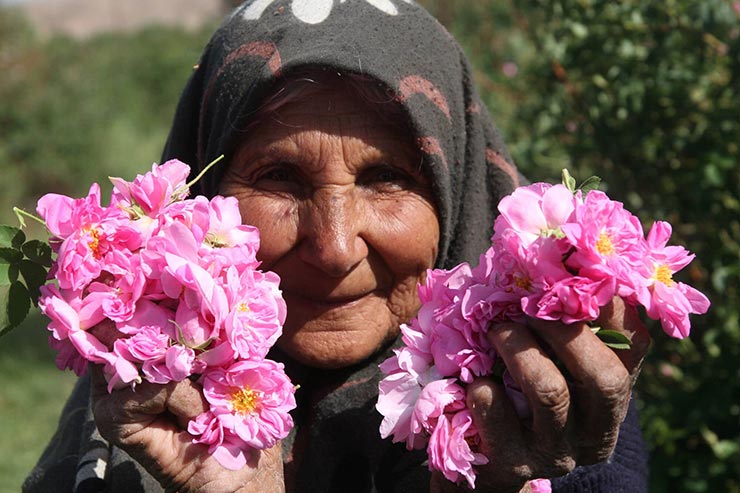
(645, 93)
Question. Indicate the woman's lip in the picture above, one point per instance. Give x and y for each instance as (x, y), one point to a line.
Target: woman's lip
(331, 301)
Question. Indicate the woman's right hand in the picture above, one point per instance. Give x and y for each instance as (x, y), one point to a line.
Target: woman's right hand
(150, 424)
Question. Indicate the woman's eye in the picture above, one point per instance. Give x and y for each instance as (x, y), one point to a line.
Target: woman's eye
(280, 177)
(385, 174)
(276, 174)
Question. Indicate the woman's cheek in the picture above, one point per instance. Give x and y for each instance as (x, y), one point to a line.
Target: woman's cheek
(403, 303)
(277, 221)
(406, 236)
(408, 231)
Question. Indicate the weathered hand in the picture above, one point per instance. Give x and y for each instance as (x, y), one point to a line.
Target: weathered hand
(575, 419)
(150, 424)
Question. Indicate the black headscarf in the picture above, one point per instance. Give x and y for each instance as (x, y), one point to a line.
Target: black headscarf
(335, 446)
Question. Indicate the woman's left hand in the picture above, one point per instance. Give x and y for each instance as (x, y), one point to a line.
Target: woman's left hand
(575, 420)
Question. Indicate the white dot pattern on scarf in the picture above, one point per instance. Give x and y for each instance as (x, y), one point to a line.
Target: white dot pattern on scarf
(313, 11)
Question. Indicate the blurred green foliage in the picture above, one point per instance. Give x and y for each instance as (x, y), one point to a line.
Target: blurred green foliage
(74, 112)
(646, 94)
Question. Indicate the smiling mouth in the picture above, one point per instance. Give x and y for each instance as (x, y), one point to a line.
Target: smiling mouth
(330, 302)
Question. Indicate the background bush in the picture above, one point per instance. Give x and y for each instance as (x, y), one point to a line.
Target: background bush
(645, 94)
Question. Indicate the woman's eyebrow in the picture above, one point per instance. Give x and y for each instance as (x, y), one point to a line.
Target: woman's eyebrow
(274, 149)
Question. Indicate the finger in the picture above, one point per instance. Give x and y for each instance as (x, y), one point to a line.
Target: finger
(270, 470)
(623, 317)
(547, 393)
(494, 416)
(121, 413)
(502, 436)
(186, 401)
(601, 386)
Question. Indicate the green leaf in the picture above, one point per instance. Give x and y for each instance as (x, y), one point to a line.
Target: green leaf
(4, 275)
(10, 256)
(590, 183)
(6, 328)
(614, 339)
(38, 252)
(17, 307)
(569, 181)
(11, 237)
(35, 276)
(12, 273)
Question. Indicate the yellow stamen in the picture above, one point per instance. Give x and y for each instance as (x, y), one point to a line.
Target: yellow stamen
(664, 274)
(523, 282)
(215, 241)
(242, 307)
(604, 244)
(94, 243)
(244, 400)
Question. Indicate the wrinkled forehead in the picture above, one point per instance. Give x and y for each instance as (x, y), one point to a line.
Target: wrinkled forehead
(326, 100)
(329, 110)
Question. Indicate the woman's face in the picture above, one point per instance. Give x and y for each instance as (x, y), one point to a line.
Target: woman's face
(346, 219)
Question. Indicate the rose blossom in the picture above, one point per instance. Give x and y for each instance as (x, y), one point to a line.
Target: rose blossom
(449, 450)
(540, 486)
(608, 240)
(227, 449)
(408, 371)
(148, 194)
(70, 318)
(573, 299)
(664, 299)
(251, 399)
(256, 312)
(535, 211)
(85, 231)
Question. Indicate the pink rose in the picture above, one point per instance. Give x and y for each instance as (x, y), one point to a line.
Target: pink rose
(251, 399)
(667, 300)
(148, 194)
(449, 450)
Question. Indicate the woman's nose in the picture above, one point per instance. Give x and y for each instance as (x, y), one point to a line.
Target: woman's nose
(332, 233)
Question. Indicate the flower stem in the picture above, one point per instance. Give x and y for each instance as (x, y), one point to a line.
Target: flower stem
(21, 215)
(203, 172)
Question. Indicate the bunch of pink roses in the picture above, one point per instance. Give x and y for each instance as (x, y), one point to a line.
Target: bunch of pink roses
(179, 280)
(557, 254)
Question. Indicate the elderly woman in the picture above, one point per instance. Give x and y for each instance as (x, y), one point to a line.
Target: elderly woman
(357, 144)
